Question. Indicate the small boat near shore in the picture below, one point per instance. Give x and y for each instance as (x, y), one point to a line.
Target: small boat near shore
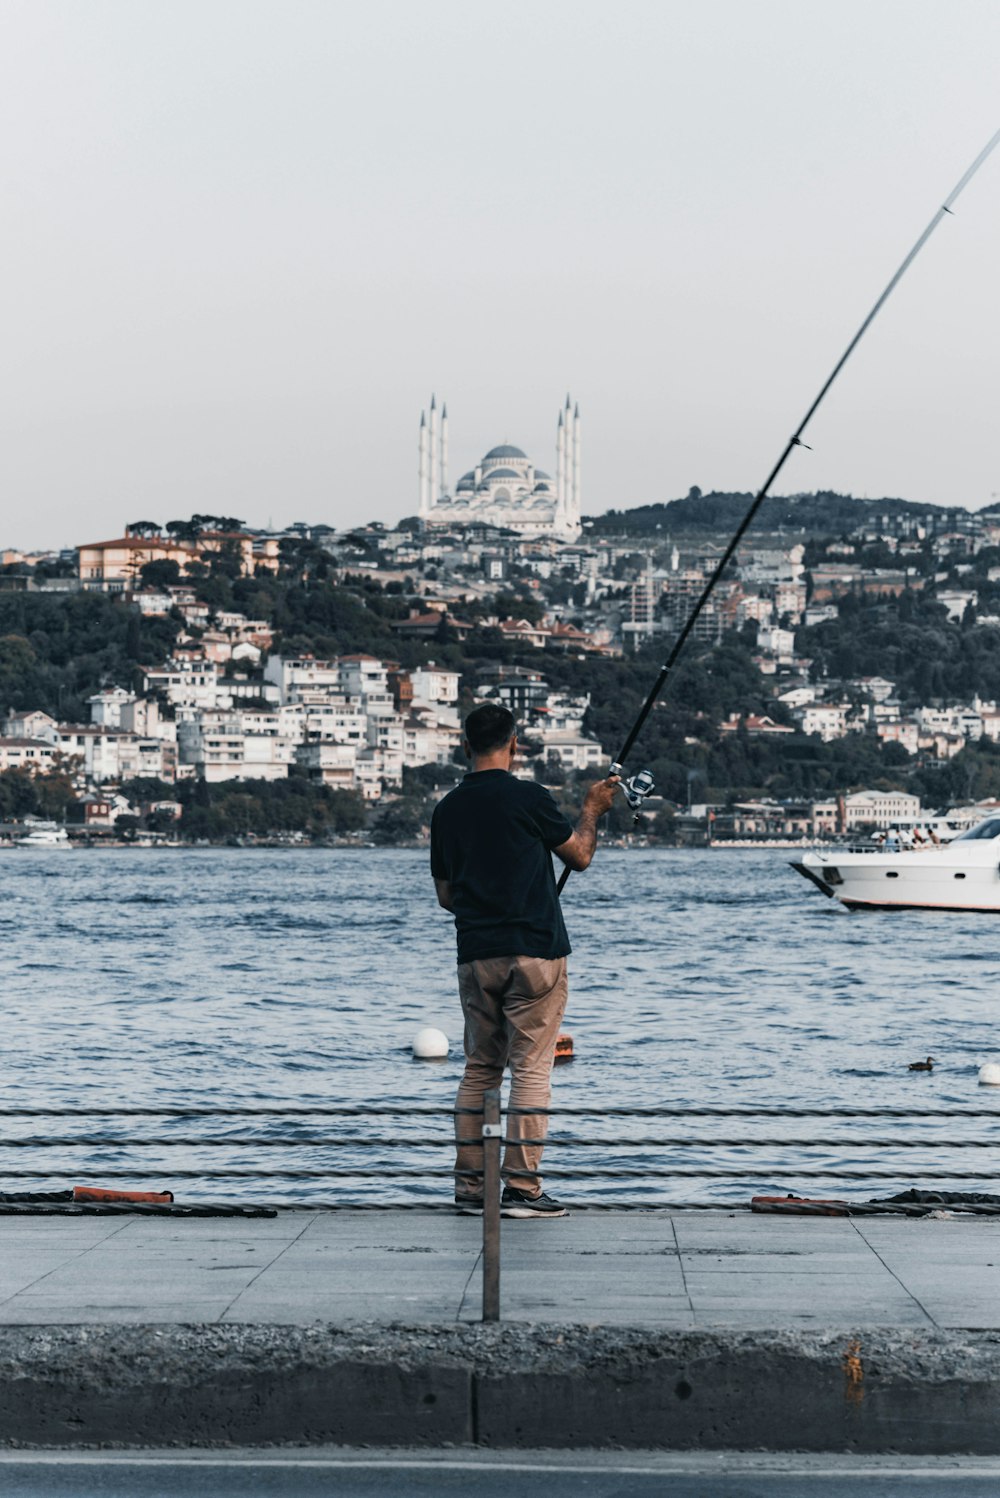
(44, 835)
(963, 874)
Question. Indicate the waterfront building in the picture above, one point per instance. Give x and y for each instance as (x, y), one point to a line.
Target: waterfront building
(879, 809)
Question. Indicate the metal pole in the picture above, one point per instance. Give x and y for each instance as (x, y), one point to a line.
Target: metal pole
(492, 1133)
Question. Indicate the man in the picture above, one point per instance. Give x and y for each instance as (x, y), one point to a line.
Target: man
(491, 840)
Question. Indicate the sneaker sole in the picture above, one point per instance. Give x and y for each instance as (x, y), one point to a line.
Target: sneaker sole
(470, 1211)
(524, 1211)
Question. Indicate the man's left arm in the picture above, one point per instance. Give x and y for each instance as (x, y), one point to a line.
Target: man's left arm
(444, 894)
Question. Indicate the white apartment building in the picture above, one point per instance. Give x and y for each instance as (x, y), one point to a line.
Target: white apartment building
(756, 607)
(573, 750)
(20, 753)
(377, 767)
(336, 719)
(776, 642)
(797, 696)
(819, 613)
(969, 722)
(434, 684)
(299, 679)
(106, 707)
(111, 754)
(334, 764)
(827, 719)
(790, 599)
(367, 678)
(32, 725)
(562, 712)
(956, 601)
(427, 740)
(880, 809)
(768, 564)
(190, 684)
(906, 733)
(218, 746)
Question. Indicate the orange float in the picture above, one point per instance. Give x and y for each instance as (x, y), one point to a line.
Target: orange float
(564, 1049)
(102, 1194)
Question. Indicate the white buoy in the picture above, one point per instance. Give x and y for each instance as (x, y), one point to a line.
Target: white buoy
(989, 1075)
(430, 1045)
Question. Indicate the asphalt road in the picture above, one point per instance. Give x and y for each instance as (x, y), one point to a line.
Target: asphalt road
(489, 1475)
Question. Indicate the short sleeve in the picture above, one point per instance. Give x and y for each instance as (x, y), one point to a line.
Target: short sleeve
(439, 869)
(553, 825)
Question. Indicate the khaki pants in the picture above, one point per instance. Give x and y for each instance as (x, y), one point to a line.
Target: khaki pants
(513, 1008)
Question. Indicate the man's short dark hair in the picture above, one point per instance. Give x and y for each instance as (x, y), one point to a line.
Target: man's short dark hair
(489, 727)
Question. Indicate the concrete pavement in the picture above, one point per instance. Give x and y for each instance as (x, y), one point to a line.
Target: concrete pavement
(716, 1330)
(682, 1271)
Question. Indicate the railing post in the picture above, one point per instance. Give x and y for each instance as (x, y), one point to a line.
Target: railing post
(492, 1133)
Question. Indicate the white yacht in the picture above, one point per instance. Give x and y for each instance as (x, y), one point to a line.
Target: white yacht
(963, 874)
(44, 835)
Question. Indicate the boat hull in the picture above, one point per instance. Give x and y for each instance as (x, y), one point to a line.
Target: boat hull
(935, 879)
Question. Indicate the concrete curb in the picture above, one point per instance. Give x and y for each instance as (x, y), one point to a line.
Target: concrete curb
(882, 1390)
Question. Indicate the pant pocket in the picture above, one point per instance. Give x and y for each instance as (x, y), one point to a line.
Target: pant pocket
(534, 977)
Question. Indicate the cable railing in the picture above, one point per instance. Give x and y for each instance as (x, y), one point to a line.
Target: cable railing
(679, 1152)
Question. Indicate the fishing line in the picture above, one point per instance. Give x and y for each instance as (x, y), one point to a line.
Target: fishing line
(640, 785)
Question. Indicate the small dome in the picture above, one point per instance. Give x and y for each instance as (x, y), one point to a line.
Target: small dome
(541, 489)
(501, 473)
(504, 451)
(541, 474)
(468, 482)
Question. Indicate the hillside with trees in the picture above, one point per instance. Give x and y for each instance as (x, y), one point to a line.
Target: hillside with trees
(823, 513)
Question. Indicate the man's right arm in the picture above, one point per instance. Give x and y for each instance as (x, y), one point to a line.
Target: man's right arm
(577, 851)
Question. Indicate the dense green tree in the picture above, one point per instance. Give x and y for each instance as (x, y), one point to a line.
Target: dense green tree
(163, 573)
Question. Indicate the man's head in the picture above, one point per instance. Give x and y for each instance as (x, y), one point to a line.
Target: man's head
(490, 733)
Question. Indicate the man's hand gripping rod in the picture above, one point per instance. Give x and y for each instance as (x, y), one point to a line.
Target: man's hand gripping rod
(629, 787)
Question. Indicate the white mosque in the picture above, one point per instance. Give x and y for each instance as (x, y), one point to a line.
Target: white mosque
(505, 488)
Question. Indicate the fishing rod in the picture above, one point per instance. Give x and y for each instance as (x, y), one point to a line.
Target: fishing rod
(638, 786)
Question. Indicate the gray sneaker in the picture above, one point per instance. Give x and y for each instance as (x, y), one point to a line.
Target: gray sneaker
(516, 1203)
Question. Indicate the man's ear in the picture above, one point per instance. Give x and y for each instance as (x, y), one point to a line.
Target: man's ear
(466, 749)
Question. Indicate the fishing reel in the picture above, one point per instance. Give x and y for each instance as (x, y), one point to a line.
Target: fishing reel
(636, 789)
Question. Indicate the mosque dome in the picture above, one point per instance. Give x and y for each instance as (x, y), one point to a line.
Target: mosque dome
(504, 451)
(541, 489)
(502, 473)
(541, 474)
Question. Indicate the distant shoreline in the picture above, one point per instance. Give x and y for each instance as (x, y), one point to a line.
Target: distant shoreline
(277, 844)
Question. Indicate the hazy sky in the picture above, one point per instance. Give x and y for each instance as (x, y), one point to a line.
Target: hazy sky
(245, 240)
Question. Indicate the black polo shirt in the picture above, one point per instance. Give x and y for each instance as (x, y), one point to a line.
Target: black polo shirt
(491, 839)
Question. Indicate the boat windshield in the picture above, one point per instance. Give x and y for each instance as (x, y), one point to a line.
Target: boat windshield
(985, 830)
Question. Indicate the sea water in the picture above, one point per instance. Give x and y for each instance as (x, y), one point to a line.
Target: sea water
(265, 979)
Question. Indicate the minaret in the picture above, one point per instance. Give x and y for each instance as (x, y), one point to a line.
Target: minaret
(423, 505)
(444, 448)
(560, 464)
(435, 490)
(568, 493)
(575, 514)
